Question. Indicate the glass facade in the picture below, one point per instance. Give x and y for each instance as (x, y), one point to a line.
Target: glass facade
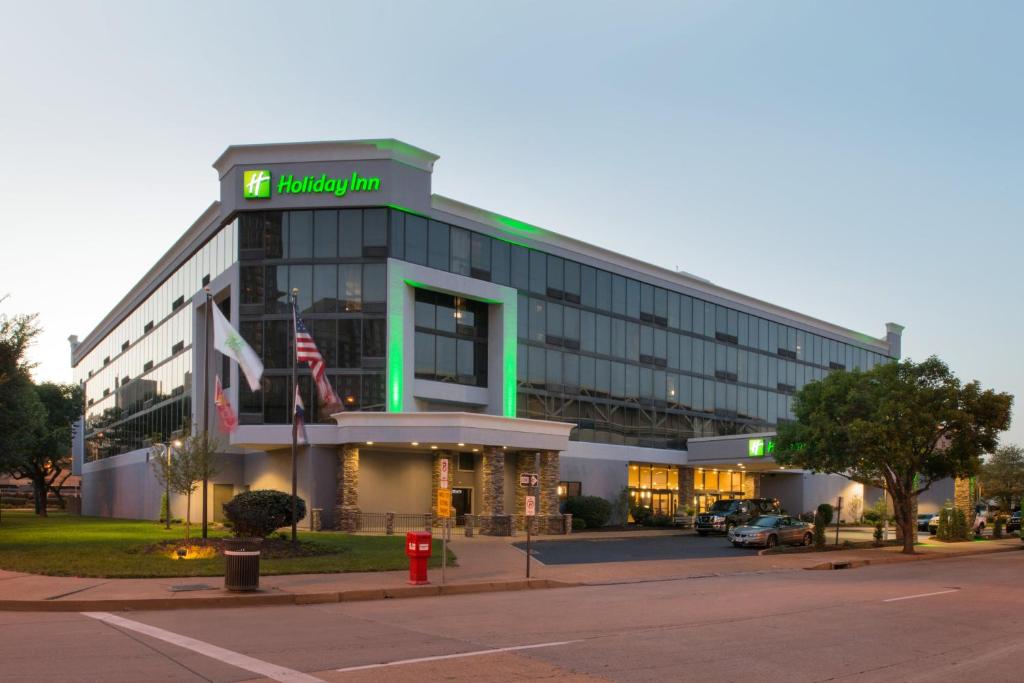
(337, 259)
(628, 362)
(138, 379)
(451, 339)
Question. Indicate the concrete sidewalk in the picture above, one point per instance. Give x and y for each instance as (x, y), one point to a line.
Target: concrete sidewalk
(485, 564)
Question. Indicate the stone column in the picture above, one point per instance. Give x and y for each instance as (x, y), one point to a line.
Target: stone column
(492, 480)
(685, 488)
(549, 519)
(347, 510)
(751, 485)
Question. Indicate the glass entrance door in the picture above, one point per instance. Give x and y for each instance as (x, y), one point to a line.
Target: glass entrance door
(462, 504)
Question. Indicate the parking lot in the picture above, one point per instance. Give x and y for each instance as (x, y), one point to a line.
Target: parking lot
(671, 545)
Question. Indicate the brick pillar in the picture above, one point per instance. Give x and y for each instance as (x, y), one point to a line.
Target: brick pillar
(492, 480)
(685, 488)
(751, 485)
(347, 510)
(550, 520)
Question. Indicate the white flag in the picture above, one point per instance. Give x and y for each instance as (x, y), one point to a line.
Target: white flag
(227, 340)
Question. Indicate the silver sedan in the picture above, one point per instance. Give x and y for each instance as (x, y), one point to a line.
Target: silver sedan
(771, 530)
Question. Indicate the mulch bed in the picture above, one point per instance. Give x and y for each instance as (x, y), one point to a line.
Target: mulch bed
(270, 549)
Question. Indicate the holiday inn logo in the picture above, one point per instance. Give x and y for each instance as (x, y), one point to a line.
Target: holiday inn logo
(256, 184)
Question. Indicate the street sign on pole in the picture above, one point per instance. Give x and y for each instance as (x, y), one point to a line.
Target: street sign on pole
(444, 473)
(528, 479)
(531, 506)
(444, 503)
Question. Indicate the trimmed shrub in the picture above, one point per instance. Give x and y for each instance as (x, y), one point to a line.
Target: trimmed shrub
(960, 529)
(872, 516)
(822, 518)
(660, 519)
(878, 532)
(641, 515)
(578, 524)
(260, 513)
(593, 510)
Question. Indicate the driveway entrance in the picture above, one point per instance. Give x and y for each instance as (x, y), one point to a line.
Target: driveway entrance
(618, 549)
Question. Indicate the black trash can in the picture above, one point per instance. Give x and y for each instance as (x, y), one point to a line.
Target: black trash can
(242, 564)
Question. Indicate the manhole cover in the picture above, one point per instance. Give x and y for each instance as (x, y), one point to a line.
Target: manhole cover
(191, 587)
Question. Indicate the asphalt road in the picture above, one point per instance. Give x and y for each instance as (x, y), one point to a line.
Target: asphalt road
(942, 620)
(675, 547)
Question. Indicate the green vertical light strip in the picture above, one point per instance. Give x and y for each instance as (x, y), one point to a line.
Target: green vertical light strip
(396, 343)
(509, 349)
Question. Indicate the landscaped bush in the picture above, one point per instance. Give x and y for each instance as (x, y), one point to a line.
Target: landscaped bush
(593, 510)
(641, 515)
(822, 518)
(871, 516)
(578, 524)
(660, 519)
(260, 513)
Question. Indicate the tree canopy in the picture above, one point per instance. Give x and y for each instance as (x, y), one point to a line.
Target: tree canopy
(900, 426)
(1002, 476)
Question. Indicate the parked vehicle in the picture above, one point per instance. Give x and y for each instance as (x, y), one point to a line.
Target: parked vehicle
(726, 514)
(771, 530)
(1013, 523)
(924, 519)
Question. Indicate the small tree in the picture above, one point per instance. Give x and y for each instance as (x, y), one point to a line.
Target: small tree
(190, 463)
(855, 506)
(822, 518)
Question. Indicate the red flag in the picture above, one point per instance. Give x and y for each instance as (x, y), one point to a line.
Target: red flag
(228, 419)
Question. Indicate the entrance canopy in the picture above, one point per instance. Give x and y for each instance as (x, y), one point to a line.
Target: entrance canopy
(451, 430)
(746, 452)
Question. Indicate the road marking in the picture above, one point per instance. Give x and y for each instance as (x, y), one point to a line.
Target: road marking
(272, 671)
(922, 595)
(457, 655)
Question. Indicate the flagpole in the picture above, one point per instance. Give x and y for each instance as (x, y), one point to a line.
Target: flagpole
(206, 398)
(295, 426)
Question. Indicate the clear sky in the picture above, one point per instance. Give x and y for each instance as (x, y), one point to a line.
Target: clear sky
(861, 162)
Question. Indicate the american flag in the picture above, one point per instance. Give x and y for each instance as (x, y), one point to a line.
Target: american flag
(306, 352)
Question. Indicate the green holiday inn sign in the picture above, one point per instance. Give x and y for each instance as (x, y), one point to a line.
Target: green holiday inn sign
(258, 184)
(758, 448)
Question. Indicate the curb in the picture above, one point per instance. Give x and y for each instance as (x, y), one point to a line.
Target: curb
(899, 559)
(259, 600)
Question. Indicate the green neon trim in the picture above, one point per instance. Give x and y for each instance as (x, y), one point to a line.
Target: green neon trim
(396, 346)
(510, 352)
(405, 209)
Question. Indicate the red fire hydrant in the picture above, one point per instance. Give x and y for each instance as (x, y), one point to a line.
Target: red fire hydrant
(417, 548)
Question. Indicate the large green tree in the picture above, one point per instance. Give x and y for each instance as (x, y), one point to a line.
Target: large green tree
(1002, 476)
(47, 455)
(900, 426)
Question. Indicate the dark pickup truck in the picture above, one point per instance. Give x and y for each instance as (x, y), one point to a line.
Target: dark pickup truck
(725, 514)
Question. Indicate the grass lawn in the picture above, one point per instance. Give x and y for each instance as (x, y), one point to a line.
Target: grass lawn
(63, 545)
